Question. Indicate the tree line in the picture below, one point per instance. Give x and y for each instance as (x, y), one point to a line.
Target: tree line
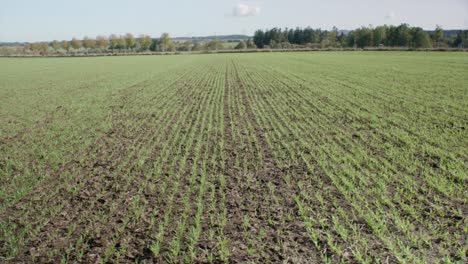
(128, 43)
(275, 38)
(380, 36)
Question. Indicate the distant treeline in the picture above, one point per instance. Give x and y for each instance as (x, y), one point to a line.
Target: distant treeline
(120, 44)
(227, 38)
(402, 36)
(381, 36)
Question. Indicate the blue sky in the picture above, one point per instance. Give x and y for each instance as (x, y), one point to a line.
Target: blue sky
(41, 20)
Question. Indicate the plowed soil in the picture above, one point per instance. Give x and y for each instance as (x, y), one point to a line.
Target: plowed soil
(267, 158)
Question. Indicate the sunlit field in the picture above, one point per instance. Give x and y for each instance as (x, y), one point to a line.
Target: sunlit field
(305, 157)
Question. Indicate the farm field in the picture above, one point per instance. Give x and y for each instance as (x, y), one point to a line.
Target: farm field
(314, 157)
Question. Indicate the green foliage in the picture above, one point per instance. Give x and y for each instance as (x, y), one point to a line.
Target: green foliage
(420, 38)
(379, 35)
(185, 46)
(121, 43)
(75, 43)
(399, 36)
(241, 45)
(438, 35)
(102, 42)
(55, 44)
(39, 47)
(113, 42)
(130, 41)
(145, 42)
(258, 39)
(65, 45)
(250, 44)
(165, 42)
(461, 39)
(89, 43)
(197, 46)
(363, 37)
(214, 45)
(390, 36)
(402, 36)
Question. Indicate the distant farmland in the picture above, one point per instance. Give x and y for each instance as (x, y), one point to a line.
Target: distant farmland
(318, 157)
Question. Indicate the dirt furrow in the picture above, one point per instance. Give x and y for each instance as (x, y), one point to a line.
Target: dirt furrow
(115, 153)
(285, 238)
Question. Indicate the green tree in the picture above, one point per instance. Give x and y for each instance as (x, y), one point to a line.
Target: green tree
(186, 46)
(420, 39)
(332, 37)
(250, 44)
(464, 38)
(392, 36)
(165, 42)
(399, 36)
(121, 43)
(55, 44)
(130, 41)
(379, 35)
(259, 39)
(240, 45)
(274, 45)
(102, 42)
(363, 37)
(458, 40)
(172, 47)
(113, 42)
(197, 46)
(404, 35)
(299, 37)
(39, 47)
(341, 40)
(89, 43)
(438, 35)
(461, 40)
(214, 44)
(75, 43)
(145, 42)
(65, 45)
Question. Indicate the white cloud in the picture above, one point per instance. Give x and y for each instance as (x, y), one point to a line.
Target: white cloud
(244, 10)
(390, 16)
